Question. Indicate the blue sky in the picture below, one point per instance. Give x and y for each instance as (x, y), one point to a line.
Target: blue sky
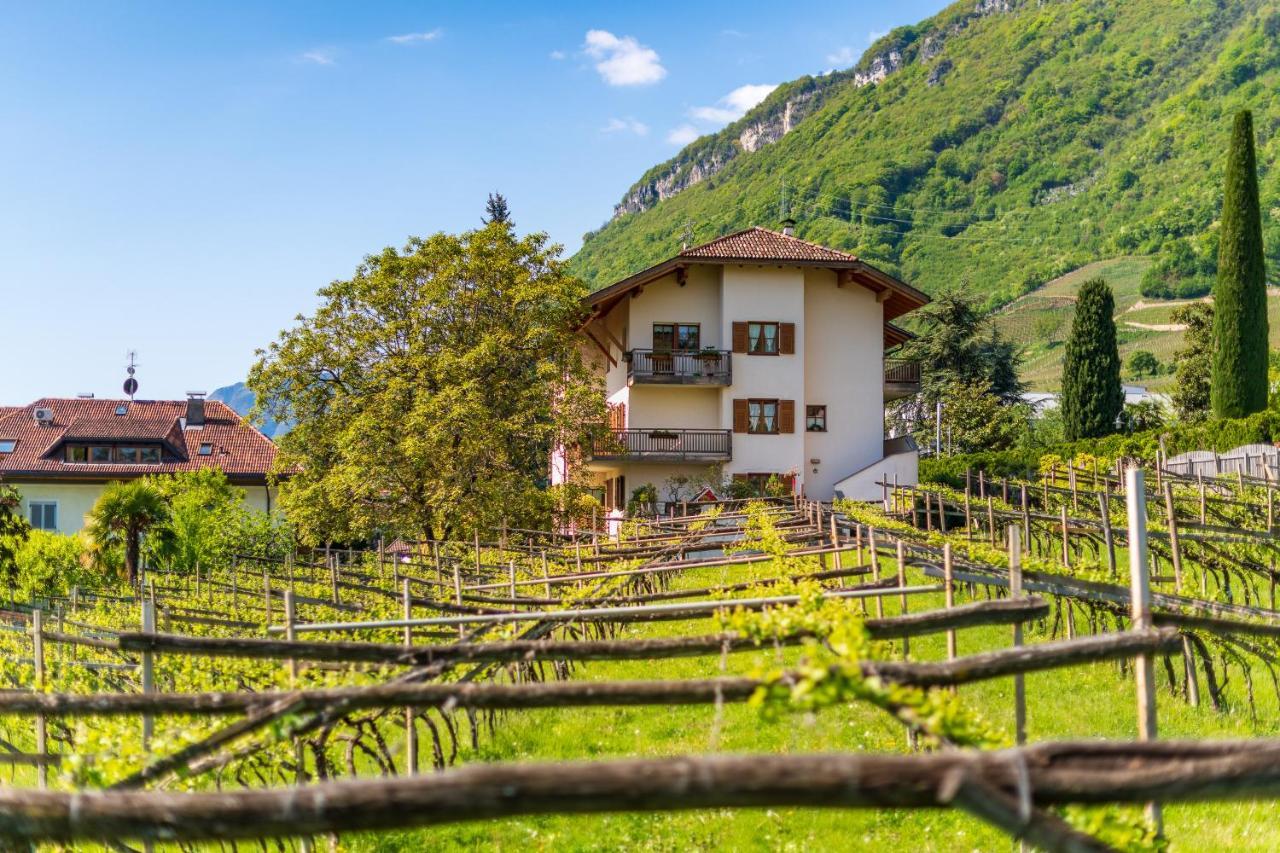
(180, 179)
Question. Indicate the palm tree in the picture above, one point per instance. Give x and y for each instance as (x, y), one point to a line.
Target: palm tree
(122, 514)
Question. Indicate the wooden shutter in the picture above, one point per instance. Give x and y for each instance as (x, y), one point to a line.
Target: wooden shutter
(787, 338)
(739, 337)
(786, 416)
(740, 417)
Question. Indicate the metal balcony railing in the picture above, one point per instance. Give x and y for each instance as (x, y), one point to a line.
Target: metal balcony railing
(668, 445)
(702, 367)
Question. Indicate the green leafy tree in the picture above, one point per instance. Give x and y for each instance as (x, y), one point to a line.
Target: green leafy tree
(123, 513)
(1092, 398)
(50, 564)
(206, 516)
(1194, 360)
(429, 390)
(974, 419)
(14, 530)
(1239, 385)
(1143, 363)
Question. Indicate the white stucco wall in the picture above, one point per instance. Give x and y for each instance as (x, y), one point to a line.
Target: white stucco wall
(844, 370)
(768, 294)
(674, 406)
(75, 500)
(665, 301)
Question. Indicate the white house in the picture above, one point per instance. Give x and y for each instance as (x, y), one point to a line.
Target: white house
(757, 351)
(61, 452)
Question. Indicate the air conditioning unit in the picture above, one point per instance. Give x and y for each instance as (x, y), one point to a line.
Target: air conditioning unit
(43, 415)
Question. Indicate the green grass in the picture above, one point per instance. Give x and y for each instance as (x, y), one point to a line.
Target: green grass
(1080, 702)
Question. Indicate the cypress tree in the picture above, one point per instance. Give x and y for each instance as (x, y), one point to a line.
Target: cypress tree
(1239, 382)
(1092, 398)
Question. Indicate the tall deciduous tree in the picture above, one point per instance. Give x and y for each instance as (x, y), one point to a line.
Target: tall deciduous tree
(1092, 398)
(1239, 385)
(429, 389)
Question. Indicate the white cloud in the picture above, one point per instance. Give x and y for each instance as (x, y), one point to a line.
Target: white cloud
(415, 38)
(843, 56)
(733, 105)
(682, 135)
(557, 55)
(319, 56)
(623, 61)
(627, 124)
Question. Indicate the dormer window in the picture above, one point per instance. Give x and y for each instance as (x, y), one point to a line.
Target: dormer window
(8, 444)
(105, 454)
(206, 449)
(122, 409)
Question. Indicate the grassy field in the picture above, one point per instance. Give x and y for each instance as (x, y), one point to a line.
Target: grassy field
(1082, 702)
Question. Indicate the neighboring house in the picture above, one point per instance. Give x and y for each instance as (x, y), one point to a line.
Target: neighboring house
(60, 453)
(756, 351)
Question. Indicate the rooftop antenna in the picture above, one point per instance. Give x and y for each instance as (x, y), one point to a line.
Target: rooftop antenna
(131, 384)
(686, 237)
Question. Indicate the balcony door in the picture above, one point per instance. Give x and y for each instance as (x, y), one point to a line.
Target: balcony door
(671, 340)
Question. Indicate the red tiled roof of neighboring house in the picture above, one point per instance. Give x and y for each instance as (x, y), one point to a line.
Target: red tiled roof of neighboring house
(236, 447)
(761, 244)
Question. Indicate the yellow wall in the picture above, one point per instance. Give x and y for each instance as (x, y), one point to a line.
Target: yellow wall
(76, 499)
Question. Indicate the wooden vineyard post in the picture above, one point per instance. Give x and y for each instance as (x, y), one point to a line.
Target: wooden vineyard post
(546, 575)
(148, 670)
(42, 733)
(478, 570)
(875, 569)
(928, 511)
(1140, 612)
(457, 592)
(948, 581)
(902, 597)
(1175, 549)
(333, 578)
(968, 514)
(1108, 541)
(511, 568)
(410, 729)
(942, 515)
(266, 597)
(1066, 545)
(835, 544)
(991, 520)
(1019, 680)
(1203, 508)
(1026, 519)
(299, 749)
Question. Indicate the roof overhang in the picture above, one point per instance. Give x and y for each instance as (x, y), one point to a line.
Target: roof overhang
(897, 296)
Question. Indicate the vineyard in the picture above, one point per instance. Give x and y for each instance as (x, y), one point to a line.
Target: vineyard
(930, 672)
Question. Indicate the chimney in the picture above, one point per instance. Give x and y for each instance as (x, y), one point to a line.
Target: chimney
(195, 408)
(788, 227)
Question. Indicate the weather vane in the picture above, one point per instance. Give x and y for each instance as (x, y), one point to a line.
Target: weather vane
(131, 384)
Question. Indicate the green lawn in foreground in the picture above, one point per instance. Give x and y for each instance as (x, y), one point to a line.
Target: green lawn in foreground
(1086, 701)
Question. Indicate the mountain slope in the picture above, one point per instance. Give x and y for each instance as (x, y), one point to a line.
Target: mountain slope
(1000, 144)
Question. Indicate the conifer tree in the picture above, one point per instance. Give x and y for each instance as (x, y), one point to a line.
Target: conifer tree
(496, 209)
(1239, 384)
(1092, 398)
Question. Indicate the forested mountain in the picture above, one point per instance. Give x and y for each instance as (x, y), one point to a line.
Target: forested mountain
(1000, 143)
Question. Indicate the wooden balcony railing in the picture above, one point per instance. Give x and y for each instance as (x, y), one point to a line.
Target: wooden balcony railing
(666, 445)
(901, 371)
(703, 367)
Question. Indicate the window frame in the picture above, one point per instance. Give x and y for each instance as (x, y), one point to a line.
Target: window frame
(45, 507)
(676, 329)
(12, 445)
(99, 447)
(205, 449)
(777, 337)
(818, 410)
(760, 403)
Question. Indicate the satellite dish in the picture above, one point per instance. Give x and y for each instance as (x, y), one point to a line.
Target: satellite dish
(131, 386)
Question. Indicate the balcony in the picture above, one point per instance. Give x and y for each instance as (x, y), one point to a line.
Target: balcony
(665, 445)
(703, 367)
(901, 378)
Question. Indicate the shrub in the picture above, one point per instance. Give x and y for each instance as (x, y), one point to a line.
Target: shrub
(50, 564)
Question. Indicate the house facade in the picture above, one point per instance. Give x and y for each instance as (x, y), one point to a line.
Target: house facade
(758, 352)
(60, 453)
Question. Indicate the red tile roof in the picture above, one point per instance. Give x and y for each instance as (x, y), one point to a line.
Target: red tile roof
(761, 244)
(238, 449)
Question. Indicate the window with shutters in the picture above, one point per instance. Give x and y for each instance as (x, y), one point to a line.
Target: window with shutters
(815, 418)
(762, 417)
(762, 338)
